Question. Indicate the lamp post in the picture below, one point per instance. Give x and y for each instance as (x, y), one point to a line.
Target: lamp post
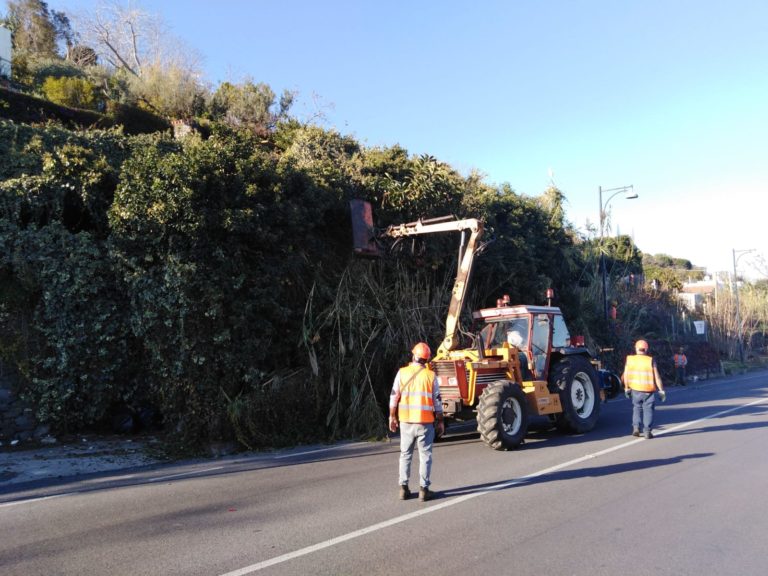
(736, 292)
(630, 194)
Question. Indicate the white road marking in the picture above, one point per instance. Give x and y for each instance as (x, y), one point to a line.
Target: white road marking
(292, 454)
(182, 474)
(110, 479)
(17, 502)
(460, 499)
(715, 415)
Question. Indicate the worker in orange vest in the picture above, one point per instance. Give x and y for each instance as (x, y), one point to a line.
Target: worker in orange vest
(681, 361)
(642, 380)
(415, 406)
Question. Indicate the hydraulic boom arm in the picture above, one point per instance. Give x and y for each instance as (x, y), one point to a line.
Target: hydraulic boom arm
(466, 256)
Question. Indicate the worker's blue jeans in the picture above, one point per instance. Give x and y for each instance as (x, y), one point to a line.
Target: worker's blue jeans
(642, 410)
(410, 435)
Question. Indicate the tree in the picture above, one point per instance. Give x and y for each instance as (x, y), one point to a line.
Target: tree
(428, 183)
(64, 31)
(123, 37)
(665, 277)
(171, 91)
(671, 272)
(164, 74)
(666, 261)
(82, 56)
(552, 201)
(249, 105)
(36, 29)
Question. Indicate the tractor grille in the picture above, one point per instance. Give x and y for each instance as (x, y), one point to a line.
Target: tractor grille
(444, 368)
(447, 369)
(490, 377)
(449, 378)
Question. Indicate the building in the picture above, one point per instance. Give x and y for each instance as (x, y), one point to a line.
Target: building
(695, 295)
(5, 52)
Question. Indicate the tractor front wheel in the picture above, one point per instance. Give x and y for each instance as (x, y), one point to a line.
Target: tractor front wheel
(576, 381)
(502, 415)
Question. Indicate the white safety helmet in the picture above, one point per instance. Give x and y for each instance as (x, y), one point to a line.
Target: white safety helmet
(514, 338)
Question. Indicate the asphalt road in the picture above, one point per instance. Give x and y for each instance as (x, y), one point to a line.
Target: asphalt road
(689, 502)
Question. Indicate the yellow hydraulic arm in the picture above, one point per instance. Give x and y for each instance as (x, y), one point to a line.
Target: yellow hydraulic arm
(467, 250)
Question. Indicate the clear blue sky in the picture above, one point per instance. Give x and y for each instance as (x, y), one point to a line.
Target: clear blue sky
(670, 96)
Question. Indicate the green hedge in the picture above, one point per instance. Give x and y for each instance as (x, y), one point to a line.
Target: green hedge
(214, 278)
(26, 109)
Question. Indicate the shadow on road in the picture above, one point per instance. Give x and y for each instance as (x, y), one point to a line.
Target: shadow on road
(729, 427)
(615, 416)
(593, 472)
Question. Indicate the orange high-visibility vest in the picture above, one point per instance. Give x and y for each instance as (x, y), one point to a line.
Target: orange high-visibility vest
(416, 405)
(638, 374)
(680, 360)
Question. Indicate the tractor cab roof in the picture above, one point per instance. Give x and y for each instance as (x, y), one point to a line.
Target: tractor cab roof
(500, 312)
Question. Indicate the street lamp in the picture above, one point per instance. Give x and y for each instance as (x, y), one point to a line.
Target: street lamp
(736, 292)
(630, 194)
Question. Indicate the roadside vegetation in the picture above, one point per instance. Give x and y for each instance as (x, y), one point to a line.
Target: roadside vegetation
(206, 282)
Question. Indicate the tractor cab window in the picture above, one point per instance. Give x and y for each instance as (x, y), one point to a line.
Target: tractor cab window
(540, 343)
(561, 338)
(513, 331)
(516, 332)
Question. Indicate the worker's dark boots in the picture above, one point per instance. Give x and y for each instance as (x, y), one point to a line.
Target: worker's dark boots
(425, 494)
(405, 492)
(635, 432)
(648, 435)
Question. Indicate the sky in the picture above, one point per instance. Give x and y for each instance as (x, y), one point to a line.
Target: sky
(667, 96)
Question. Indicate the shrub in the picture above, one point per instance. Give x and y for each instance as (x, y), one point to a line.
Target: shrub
(73, 92)
(80, 356)
(135, 120)
(41, 69)
(31, 110)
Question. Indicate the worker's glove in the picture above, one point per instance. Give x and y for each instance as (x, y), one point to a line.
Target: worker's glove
(663, 395)
(628, 393)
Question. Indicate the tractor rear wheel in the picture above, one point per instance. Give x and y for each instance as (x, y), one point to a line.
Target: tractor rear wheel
(576, 381)
(502, 415)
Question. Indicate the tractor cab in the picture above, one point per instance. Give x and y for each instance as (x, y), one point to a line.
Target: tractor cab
(541, 336)
(538, 332)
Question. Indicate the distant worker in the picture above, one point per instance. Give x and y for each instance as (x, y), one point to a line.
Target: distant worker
(681, 361)
(415, 406)
(641, 380)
